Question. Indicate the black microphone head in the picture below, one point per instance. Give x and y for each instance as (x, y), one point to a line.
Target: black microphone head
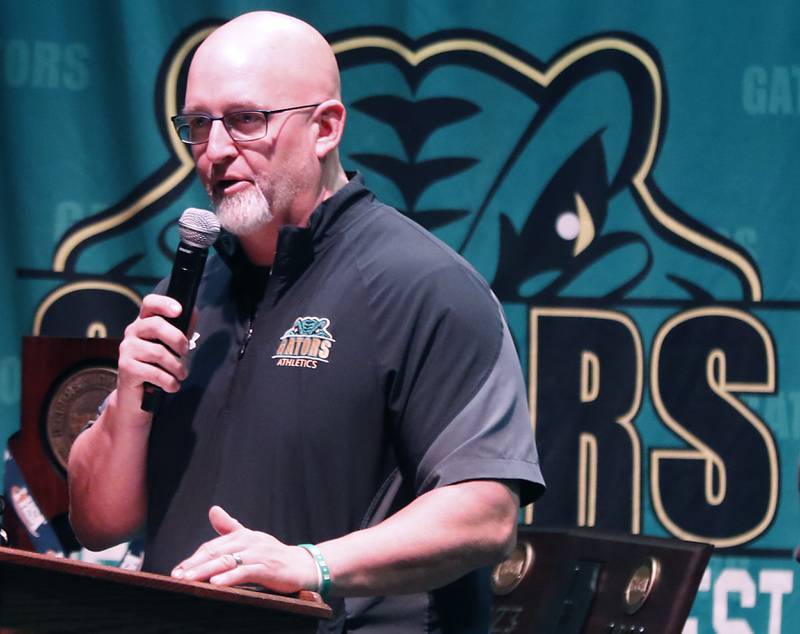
(198, 227)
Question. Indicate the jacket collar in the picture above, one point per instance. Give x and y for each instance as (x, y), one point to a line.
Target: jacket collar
(296, 246)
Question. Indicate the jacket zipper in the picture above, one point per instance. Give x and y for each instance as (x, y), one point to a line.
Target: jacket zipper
(251, 321)
(248, 335)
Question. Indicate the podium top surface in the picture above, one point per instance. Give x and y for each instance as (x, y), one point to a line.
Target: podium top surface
(305, 603)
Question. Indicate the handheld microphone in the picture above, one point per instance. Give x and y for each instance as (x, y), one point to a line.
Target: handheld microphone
(198, 230)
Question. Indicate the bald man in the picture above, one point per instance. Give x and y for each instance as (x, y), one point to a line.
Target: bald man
(353, 418)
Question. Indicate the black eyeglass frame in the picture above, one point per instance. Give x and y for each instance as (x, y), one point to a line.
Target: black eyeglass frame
(266, 113)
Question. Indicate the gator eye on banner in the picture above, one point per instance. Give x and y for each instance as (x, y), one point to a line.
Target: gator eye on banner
(624, 175)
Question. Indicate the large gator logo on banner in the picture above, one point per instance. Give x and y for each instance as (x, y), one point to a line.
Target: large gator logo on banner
(541, 174)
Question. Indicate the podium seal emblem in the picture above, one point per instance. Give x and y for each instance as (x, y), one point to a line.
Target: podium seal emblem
(73, 404)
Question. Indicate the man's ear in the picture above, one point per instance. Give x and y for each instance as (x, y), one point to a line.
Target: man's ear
(330, 118)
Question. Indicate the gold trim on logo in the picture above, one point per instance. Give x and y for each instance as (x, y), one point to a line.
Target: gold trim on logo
(61, 291)
(171, 181)
(544, 79)
(715, 485)
(588, 460)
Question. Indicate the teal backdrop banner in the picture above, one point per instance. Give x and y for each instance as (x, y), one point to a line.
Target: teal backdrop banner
(624, 174)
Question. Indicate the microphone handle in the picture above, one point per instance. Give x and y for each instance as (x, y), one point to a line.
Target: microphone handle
(187, 271)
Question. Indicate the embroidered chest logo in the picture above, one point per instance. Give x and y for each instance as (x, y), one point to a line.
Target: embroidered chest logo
(306, 343)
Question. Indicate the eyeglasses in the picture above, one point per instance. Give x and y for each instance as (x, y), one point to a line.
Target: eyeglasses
(247, 125)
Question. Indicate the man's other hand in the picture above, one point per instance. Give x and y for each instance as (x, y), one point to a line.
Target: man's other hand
(240, 555)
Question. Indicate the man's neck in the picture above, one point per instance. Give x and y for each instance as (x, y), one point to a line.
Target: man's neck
(261, 245)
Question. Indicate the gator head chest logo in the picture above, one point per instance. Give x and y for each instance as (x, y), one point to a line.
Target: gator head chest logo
(305, 344)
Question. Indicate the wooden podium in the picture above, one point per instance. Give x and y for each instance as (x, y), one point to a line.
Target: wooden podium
(44, 594)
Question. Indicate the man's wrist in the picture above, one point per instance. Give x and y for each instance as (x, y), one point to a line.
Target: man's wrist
(323, 571)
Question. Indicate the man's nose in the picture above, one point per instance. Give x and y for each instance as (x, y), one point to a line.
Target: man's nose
(220, 145)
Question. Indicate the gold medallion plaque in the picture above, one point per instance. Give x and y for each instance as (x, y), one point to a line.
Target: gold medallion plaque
(641, 584)
(74, 403)
(508, 574)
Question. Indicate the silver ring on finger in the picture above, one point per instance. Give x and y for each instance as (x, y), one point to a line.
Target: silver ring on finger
(237, 557)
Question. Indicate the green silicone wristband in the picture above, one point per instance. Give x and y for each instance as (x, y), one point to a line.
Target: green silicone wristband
(322, 568)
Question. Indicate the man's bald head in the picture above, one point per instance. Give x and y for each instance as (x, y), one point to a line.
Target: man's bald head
(267, 61)
(292, 58)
